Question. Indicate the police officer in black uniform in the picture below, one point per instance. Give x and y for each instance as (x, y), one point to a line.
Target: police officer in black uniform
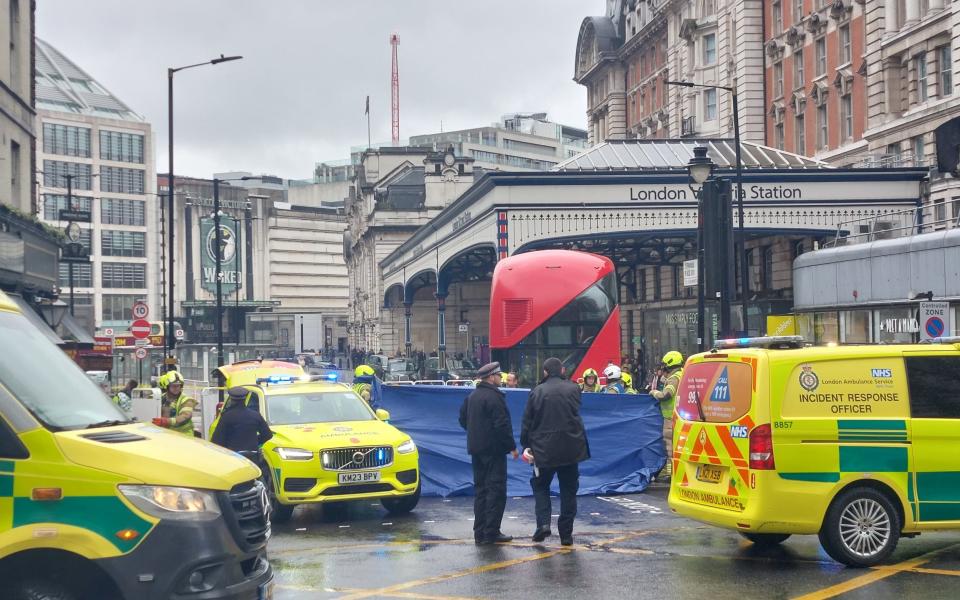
(241, 427)
(486, 418)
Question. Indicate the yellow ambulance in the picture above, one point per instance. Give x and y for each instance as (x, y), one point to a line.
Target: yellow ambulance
(93, 505)
(857, 444)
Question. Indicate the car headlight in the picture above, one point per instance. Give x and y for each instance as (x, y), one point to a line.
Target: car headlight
(406, 447)
(166, 502)
(294, 453)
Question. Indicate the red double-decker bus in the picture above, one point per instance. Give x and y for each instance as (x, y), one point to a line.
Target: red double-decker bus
(559, 303)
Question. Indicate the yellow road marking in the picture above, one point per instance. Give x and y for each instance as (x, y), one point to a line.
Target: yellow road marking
(877, 574)
(390, 590)
(935, 571)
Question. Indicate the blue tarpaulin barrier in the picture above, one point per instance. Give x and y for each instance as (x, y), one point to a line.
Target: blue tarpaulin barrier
(624, 432)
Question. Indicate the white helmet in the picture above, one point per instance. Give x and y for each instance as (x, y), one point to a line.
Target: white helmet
(612, 372)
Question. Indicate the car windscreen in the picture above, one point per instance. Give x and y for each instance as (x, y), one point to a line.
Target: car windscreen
(47, 382)
(401, 365)
(316, 407)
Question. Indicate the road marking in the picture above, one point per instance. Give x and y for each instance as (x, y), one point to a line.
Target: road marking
(344, 527)
(429, 521)
(391, 590)
(935, 571)
(632, 505)
(878, 573)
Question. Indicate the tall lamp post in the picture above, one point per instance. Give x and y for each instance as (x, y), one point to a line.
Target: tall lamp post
(169, 340)
(700, 168)
(741, 249)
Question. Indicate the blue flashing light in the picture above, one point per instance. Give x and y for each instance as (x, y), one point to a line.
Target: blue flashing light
(331, 376)
(380, 455)
(278, 379)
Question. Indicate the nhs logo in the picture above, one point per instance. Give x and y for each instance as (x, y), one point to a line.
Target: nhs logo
(881, 373)
(738, 431)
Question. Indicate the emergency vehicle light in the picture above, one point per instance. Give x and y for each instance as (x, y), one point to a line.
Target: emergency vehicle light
(777, 341)
(332, 376)
(275, 379)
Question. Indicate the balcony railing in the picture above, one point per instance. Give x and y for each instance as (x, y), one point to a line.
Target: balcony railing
(889, 226)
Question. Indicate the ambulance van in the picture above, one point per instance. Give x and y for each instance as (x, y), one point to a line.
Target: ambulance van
(857, 444)
(95, 506)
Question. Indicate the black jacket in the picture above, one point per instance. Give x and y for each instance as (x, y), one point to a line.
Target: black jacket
(241, 429)
(552, 426)
(485, 416)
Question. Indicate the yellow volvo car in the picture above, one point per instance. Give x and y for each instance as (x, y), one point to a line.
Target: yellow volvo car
(93, 505)
(328, 445)
(857, 444)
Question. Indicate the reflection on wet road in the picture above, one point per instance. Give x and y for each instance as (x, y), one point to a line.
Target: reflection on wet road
(624, 547)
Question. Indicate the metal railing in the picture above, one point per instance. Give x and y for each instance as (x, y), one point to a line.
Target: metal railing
(888, 226)
(447, 382)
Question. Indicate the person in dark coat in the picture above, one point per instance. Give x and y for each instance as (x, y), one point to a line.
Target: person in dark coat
(241, 427)
(485, 416)
(553, 432)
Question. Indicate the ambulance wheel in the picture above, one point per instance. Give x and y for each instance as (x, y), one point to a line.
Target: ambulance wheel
(403, 504)
(41, 590)
(861, 529)
(281, 513)
(766, 539)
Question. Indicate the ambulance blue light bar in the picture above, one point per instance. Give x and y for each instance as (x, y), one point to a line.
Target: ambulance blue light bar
(776, 341)
(278, 379)
(331, 376)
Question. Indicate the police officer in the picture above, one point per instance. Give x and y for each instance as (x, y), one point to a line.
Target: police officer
(614, 385)
(591, 382)
(363, 377)
(176, 407)
(672, 369)
(241, 427)
(123, 399)
(485, 416)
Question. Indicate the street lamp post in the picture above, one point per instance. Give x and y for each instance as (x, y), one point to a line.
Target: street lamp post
(741, 249)
(700, 167)
(169, 340)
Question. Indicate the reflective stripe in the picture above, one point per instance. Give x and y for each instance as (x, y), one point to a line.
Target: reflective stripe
(186, 427)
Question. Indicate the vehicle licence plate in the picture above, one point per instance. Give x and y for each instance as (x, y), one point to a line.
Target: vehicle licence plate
(709, 473)
(361, 477)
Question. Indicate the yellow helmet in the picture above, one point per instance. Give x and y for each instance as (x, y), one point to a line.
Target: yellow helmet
(169, 377)
(590, 373)
(672, 359)
(363, 370)
(626, 379)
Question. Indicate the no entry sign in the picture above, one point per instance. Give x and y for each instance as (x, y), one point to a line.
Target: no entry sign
(140, 329)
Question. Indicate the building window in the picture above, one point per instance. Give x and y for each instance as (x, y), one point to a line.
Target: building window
(845, 54)
(82, 275)
(122, 147)
(919, 151)
(956, 208)
(798, 78)
(778, 80)
(710, 49)
(945, 65)
(920, 69)
(15, 165)
(677, 280)
(123, 275)
(120, 180)
(797, 11)
(939, 211)
(777, 11)
(822, 131)
(55, 174)
(657, 284)
(14, 29)
(642, 285)
(710, 105)
(846, 116)
(778, 136)
(54, 203)
(117, 307)
(123, 243)
(66, 140)
(800, 135)
(766, 267)
(121, 212)
(820, 48)
(708, 8)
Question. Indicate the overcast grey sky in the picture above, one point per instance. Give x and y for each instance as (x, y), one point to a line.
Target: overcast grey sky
(298, 95)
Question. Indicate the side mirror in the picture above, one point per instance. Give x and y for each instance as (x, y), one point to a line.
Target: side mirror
(383, 415)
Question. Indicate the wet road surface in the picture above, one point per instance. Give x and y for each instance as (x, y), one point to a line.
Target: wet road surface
(624, 547)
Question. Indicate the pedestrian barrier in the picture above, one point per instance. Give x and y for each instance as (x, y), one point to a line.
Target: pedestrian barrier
(624, 432)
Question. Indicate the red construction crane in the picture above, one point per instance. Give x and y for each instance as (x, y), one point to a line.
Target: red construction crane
(395, 91)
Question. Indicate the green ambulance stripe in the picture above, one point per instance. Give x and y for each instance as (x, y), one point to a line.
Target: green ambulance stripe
(872, 431)
(939, 495)
(104, 515)
(853, 425)
(873, 459)
(817, 477)
(6, 485)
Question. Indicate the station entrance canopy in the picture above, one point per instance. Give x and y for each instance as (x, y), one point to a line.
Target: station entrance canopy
(621, 197)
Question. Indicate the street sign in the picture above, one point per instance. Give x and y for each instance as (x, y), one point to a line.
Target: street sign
(108, 332)
(462, 328)
(178, 334)
(934, 320)
(141, 353)
(140, 310)
(142, 343)
(781, 325)
(140, 329)
(80, 216)
(690, 273)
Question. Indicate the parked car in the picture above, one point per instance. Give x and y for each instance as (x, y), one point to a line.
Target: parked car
(456, 369)
(379, 363)
(401, 369)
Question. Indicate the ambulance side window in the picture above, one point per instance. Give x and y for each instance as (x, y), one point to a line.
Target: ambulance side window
(10, 444)
(934, 386)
